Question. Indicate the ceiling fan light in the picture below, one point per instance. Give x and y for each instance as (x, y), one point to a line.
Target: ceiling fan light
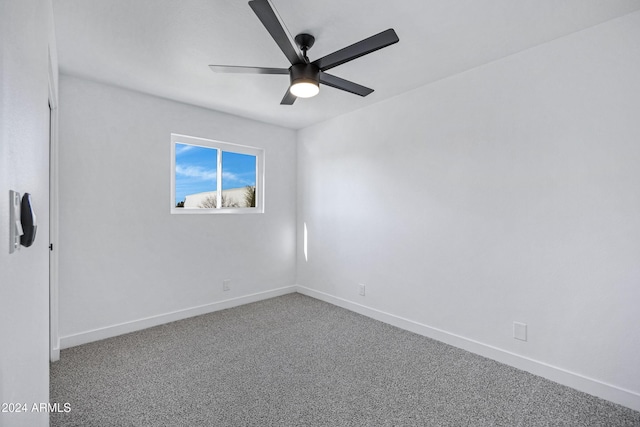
(305, 80)
(304, 89)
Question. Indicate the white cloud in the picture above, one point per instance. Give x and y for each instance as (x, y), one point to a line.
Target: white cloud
(237, 179)
(229, 176)
(197, 172)
(182, 148)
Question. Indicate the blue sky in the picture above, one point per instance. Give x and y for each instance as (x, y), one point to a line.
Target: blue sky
(196, 170)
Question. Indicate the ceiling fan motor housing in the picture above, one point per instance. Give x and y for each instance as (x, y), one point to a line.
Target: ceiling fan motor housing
(304, 73)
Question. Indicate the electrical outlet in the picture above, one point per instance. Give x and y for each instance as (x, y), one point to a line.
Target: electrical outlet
(520, 331)
(226, 284)
(361, 289)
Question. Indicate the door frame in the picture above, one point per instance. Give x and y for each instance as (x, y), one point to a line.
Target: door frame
(54, 338)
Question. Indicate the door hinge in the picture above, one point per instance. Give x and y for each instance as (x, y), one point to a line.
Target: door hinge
(50, 246)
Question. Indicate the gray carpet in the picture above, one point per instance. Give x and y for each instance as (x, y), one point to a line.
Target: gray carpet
(297, 361)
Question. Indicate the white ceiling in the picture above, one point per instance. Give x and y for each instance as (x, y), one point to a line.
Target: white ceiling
(164, 47)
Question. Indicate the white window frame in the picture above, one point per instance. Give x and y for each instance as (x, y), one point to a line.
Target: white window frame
(220, 146)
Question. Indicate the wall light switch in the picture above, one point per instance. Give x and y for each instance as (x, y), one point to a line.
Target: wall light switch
(520, 331)
(15, 224)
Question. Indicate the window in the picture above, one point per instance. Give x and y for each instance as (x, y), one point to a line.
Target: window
(215, 177)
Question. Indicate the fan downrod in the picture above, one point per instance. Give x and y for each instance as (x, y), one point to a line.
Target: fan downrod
(305, 42)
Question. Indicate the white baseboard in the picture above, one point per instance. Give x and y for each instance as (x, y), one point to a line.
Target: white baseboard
(54, 356)
(606, 391)
(148, 322)
(628, 398)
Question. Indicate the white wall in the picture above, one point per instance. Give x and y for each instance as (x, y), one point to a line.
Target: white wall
(123, 257)
(26, 35)
(506, 193)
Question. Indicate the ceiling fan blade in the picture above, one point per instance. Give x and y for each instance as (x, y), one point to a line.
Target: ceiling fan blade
(288, 99)
(247, 70)
(268, 16)
(342, 84)
(357, 50)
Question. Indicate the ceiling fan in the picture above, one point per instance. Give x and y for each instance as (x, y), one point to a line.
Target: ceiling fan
(306, 76)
